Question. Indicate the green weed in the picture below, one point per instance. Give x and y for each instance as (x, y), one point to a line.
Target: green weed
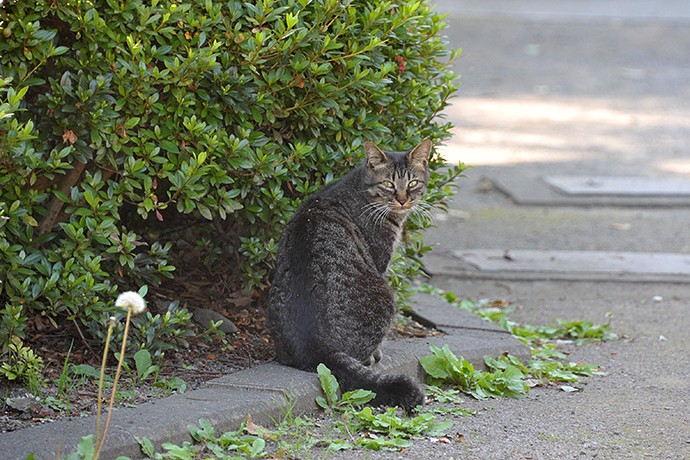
(368, 427)
(444, 367)
(229, 445)
(22, 364)
(533, 336)
(509, 376)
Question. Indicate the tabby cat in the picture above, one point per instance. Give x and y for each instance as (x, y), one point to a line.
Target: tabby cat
(330, 301)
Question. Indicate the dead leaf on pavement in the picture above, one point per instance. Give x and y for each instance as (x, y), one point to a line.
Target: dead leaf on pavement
(256, 430)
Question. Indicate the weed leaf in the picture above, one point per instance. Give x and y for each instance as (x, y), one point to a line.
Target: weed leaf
(143, 363)
(356, 398)
(339, 444)
(329, 384)
(506, 379)
(85, 449)
(146, 446)
(322, 403)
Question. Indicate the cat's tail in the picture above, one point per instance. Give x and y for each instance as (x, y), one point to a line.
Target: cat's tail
(391, 390)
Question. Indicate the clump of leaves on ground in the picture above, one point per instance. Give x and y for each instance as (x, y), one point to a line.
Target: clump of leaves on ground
(508, 375)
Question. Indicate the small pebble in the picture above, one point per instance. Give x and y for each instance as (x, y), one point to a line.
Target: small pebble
(657, 299)
(24, 403)
(204, 316)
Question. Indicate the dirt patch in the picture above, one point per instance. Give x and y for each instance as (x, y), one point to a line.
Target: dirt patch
(205, 359)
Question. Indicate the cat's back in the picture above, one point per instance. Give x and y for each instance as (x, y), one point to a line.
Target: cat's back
(321, 251)
(325, 216)
(322, 232)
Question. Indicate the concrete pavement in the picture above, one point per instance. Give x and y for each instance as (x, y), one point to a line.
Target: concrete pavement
(576, 89)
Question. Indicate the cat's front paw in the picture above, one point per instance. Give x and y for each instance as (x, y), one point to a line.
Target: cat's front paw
(374, 358)
(377, 355)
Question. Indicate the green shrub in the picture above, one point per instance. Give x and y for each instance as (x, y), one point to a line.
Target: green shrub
(154, 332)
(22, 364)
(121, 118)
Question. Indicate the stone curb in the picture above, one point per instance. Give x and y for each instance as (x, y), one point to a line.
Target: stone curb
(263, 392)
(454, 264)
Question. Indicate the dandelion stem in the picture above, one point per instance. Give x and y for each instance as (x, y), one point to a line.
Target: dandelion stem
(109, 334)
(117, 377)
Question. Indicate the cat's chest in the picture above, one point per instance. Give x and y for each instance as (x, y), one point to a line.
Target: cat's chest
(382, 243)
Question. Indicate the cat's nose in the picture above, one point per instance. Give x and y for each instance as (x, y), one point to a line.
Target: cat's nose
(401, 199)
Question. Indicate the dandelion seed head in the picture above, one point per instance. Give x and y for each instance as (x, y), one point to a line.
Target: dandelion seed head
(131, 300)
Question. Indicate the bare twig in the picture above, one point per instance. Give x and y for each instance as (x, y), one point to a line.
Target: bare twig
(55, 206)
(83, 339)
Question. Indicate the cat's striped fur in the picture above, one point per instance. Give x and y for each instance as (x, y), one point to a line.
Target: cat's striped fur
(330, 301)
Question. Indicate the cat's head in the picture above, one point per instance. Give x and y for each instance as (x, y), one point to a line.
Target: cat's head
(397, 180)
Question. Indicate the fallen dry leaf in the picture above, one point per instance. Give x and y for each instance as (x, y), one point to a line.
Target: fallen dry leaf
(459, 437)
(622, 227)
(68, 137)
(254, 429)
(401, 63)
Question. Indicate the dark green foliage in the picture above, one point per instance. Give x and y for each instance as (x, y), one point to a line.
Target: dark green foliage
(115, 115)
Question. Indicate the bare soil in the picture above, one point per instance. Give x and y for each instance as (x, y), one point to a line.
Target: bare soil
(205, 359)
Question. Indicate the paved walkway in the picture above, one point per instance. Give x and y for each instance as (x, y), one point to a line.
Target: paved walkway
(579, 90)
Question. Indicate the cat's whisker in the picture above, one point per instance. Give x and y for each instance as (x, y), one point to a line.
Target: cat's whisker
(381, 213)
(424, 215)
(373, 204)
(370, 210)
(385, 211)
(425, 210)
(431, 206)
(375, 212)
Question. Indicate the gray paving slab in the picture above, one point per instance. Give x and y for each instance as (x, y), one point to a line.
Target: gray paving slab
(534, 190)
(444, 316)
(630, 186)
(260, 392)
(561, 265)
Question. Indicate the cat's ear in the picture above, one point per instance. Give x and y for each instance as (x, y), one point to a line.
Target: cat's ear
(420, 155)
(375, 156)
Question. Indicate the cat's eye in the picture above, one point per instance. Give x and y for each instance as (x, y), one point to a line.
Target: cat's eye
(388, 185)
(413, 183)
